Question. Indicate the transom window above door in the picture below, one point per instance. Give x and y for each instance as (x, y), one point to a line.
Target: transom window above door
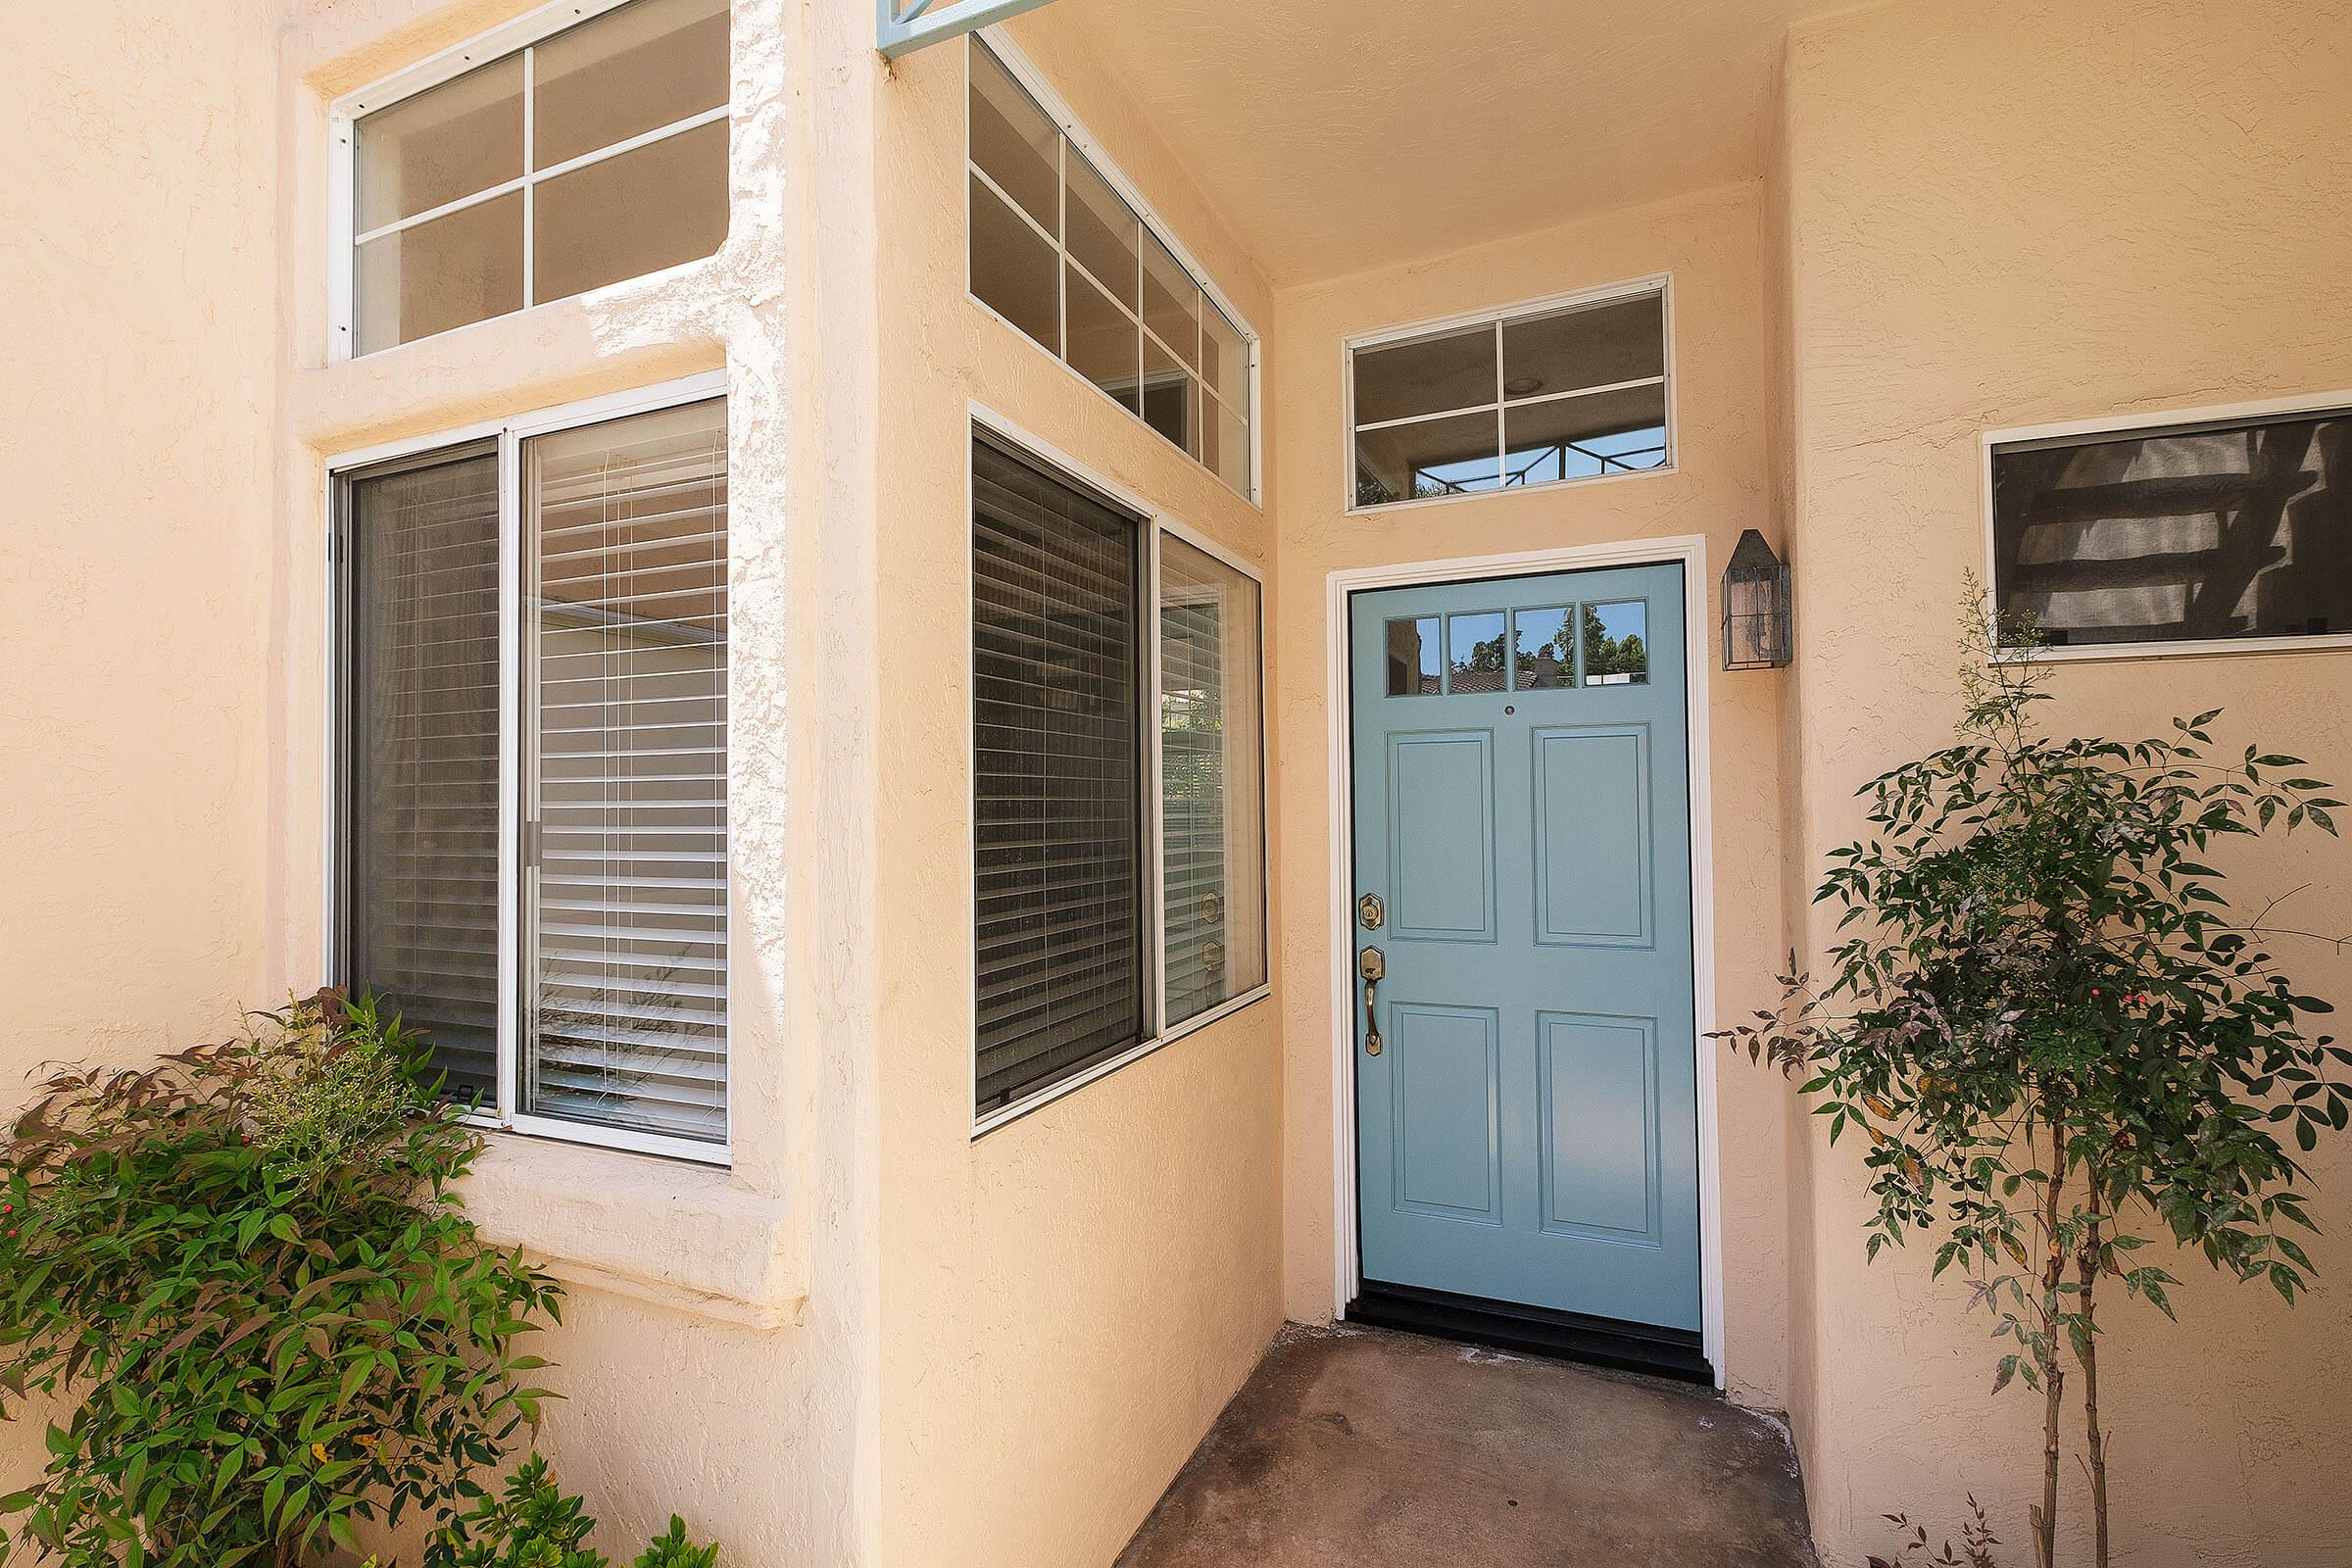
(584, 144)
(1060, 252)
(1567, 390)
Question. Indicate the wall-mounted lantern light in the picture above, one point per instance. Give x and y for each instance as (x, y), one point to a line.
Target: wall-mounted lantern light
(1757, 629)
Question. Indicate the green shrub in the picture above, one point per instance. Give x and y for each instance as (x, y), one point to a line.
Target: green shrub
(533, 1524)
(245, 1266)
(529, 1523)
(671, 1549)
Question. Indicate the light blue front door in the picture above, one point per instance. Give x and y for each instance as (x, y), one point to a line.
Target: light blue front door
(1527, 1129)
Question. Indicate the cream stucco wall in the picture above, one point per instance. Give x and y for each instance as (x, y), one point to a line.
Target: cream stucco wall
(136, 533)
(2000, 215)
(1068, 1301)
(1714, 246)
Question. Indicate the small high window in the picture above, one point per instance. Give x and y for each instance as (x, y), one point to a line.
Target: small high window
(2224, 530)
(1119, 815)
(537, 165)
(1060, 254)
(1552, 394)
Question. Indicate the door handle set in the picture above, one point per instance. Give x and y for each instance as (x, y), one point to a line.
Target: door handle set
(1373, 967)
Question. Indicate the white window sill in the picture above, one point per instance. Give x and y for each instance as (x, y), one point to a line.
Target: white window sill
(681, 1236)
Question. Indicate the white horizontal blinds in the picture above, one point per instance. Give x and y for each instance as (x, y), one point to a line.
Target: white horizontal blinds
(421, 890)
(626, 754)
(1212, 817)
(1059, 830)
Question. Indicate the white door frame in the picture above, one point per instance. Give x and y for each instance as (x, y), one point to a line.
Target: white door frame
(1689, 551)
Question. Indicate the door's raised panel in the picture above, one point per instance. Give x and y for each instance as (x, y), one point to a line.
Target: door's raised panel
(1446, 1064)
(1597, 1083)
(1593, 885)
(1442, 835)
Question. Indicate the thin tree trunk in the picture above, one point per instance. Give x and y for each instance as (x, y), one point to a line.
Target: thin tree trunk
(2053, 1377)
(2087, 1271)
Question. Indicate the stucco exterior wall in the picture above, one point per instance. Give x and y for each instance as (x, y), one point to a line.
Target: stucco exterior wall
(134, 537)
(1714, 246)
(2000, 214)
(1068, 1301)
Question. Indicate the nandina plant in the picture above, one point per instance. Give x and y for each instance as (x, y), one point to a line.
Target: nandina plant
(244, 1271)
(2057, 1037)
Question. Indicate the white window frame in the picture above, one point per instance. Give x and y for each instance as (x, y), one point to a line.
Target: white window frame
(1659, 283)
(1156, 522)
(1032, 80)
(503, 1115)
(2124, 425)
(515, 37)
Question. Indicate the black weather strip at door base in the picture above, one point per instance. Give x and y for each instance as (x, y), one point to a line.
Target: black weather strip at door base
(1534, 1331)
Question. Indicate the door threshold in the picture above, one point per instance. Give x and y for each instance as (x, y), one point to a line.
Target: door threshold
(1534, 1331)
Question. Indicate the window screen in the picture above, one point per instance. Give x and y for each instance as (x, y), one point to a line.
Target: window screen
(1058, 767)
(420, 695)
(1212, 802)
(598, 154)
(2180, 534)
(628, 612)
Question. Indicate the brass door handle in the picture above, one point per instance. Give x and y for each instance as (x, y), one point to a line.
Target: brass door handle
(1373, 967)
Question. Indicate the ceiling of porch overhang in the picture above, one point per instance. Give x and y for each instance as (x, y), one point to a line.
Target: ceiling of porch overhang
(1338, 135)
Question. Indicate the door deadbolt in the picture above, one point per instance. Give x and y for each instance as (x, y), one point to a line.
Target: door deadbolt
(1370, 911)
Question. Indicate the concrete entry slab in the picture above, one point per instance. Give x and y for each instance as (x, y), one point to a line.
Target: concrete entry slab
(1359, 1446)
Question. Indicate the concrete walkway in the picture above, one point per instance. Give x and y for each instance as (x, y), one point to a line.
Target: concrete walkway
(1361, 1447)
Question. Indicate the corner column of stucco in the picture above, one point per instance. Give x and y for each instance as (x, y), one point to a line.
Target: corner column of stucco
(681, 1396)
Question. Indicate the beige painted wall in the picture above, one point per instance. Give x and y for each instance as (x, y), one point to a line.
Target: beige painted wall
(1714, 246)
(134, 538)
(2002, 214)
(1067, 1301)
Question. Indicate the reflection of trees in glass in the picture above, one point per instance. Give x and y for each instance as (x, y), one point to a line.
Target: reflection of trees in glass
(1551, 662)
(1609, 655)
(1373, 491)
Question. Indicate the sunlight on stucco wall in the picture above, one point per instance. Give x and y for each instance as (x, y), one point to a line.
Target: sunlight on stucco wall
(2005, 215)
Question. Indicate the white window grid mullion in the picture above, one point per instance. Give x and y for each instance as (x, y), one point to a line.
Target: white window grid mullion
(1156, 791)
(1502, 432)
(539, 176)
(1516, 402)
(511, 819)
(530, 189)
(1061, 239)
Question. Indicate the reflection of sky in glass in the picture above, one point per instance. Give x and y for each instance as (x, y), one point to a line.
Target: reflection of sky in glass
(1615, 644)
(1413, 658)
(1542, 650)
(1626, 451)
(1474, 646)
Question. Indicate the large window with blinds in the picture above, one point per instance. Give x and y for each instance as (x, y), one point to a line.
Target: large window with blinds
(572, 573)
(1119, 878)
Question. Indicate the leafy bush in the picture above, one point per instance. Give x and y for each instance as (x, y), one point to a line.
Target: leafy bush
(245, 1265)
(534, 1524)
(529, 1523)
(2060, 1042)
